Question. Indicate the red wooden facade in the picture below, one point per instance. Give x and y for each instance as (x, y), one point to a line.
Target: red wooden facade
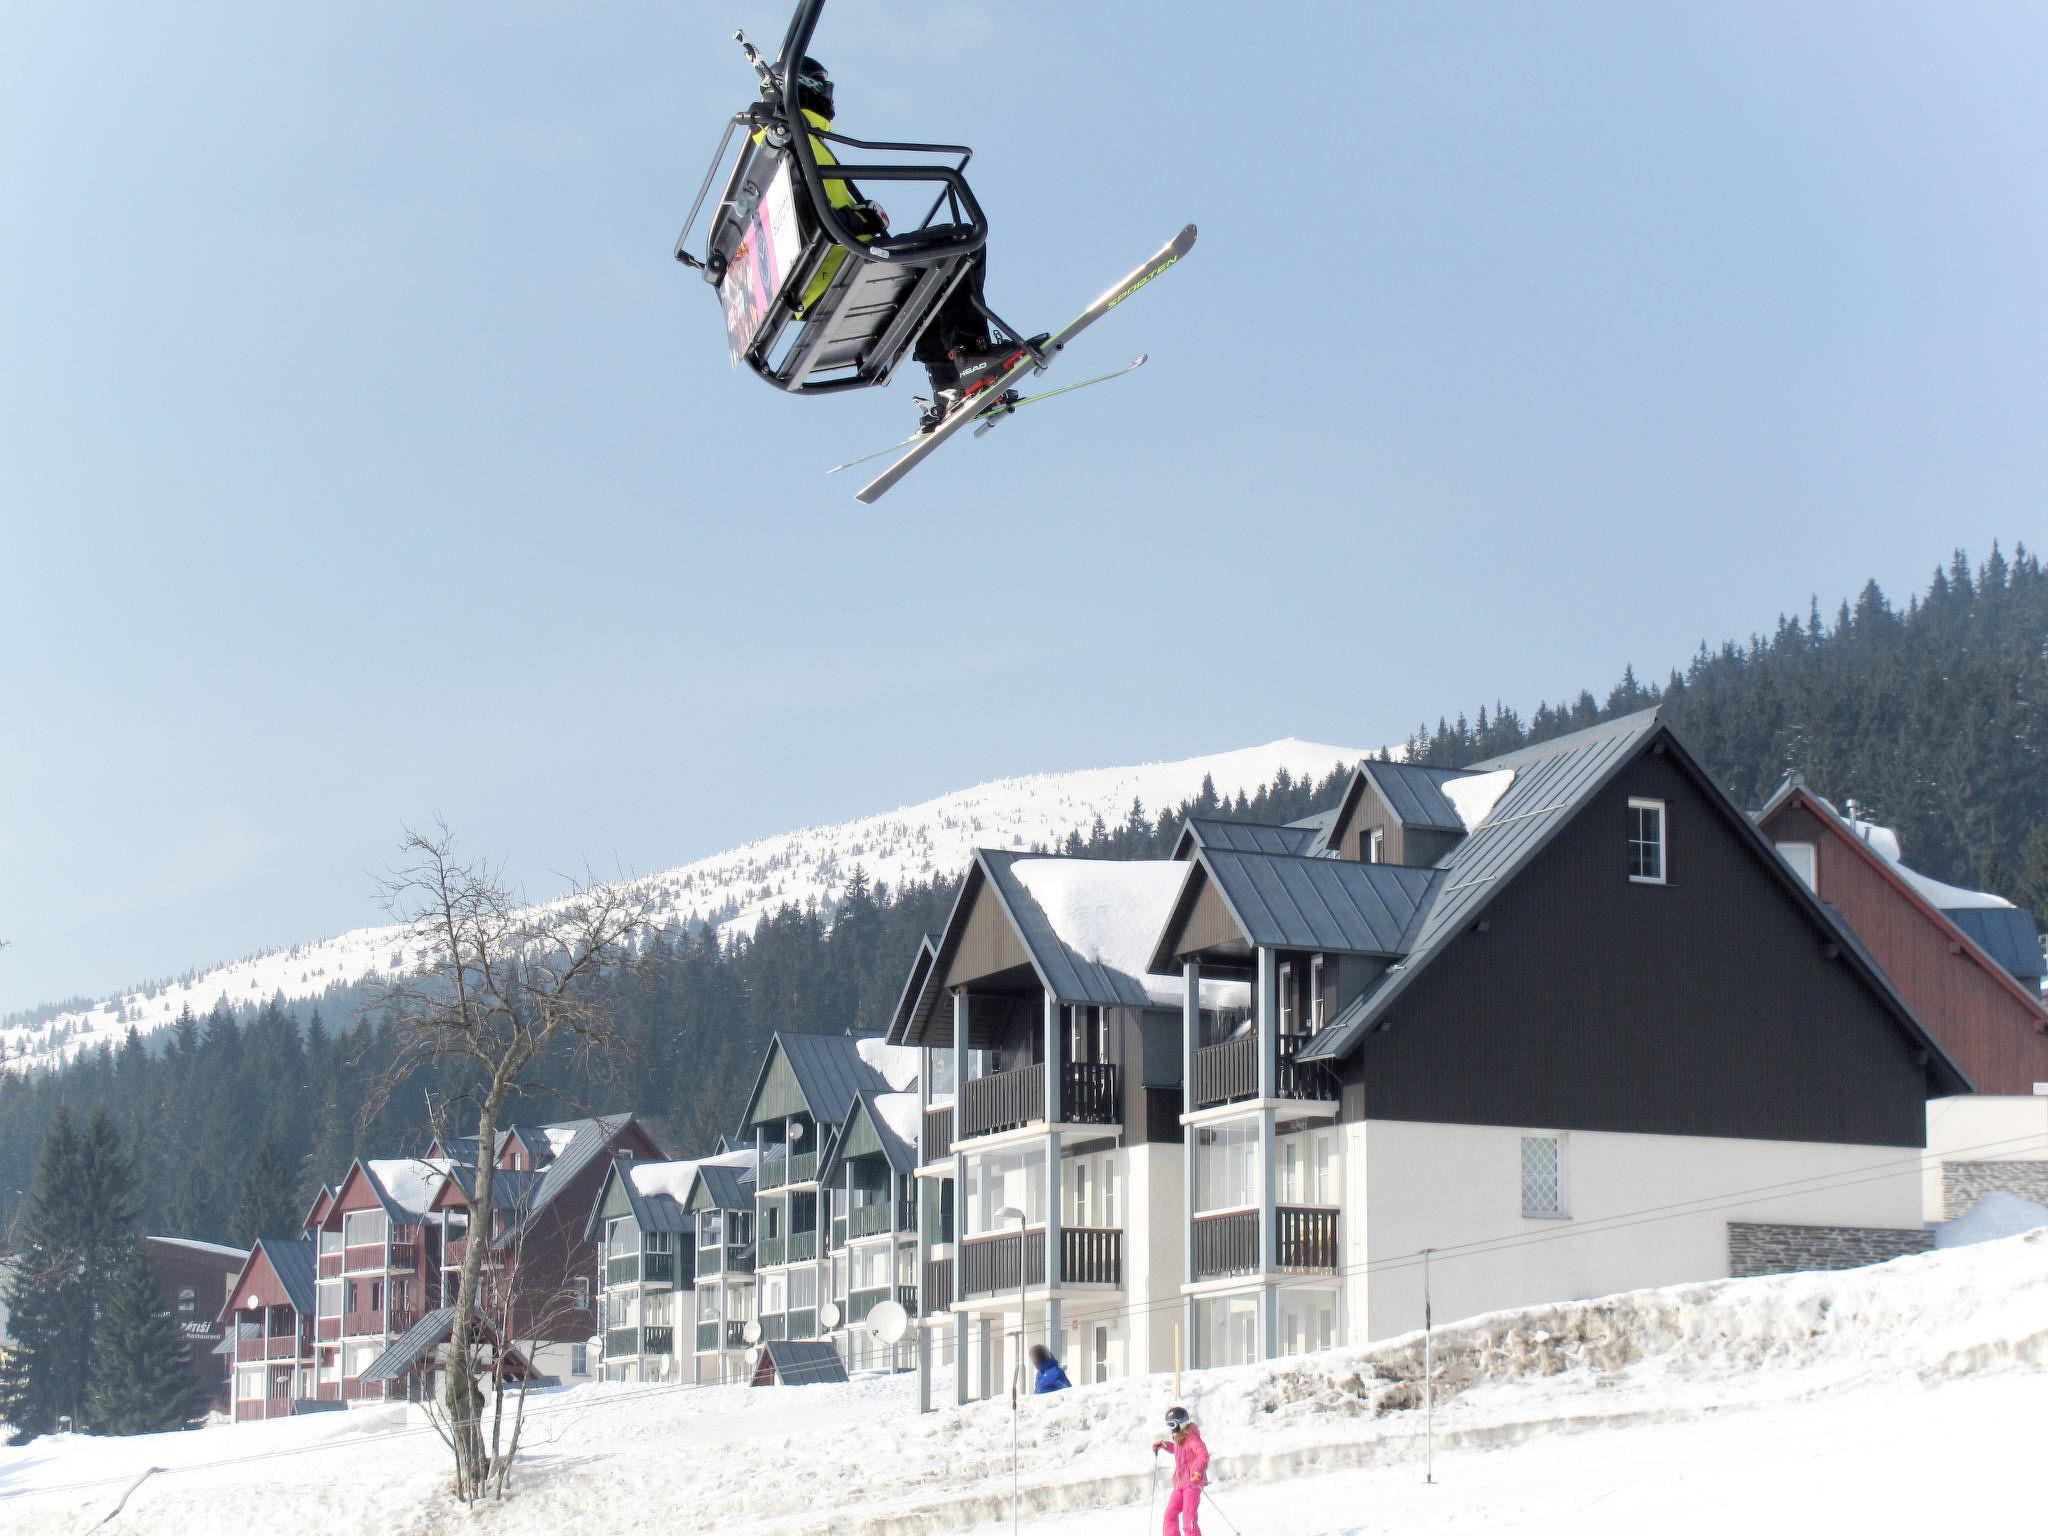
(1982, 1015)
(270, 1368)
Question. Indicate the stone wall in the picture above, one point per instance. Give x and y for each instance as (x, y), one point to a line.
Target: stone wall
(1964, 1184)
(1769, 1248)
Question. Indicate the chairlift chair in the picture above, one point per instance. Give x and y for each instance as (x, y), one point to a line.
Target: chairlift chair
(774, 229)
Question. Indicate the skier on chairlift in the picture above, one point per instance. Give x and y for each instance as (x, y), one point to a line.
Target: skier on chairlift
(956, 348)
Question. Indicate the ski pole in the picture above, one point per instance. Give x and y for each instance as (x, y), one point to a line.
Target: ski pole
(1218, 1509)
(1152, 1499)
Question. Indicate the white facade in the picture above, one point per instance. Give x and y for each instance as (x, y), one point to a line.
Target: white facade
(1981, 1128)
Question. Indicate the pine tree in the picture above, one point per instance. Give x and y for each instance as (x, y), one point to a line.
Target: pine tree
(43, 1378)
(142, 1381)
(269, 1206)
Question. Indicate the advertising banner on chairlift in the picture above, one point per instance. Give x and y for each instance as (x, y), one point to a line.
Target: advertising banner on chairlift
(754, 276)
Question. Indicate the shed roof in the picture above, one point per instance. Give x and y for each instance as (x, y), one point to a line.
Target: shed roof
(413, 1346)
(1248, 836)
(1414, 792)
(1280, 901)
(2006, 934)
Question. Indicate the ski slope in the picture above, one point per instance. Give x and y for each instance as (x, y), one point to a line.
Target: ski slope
(732, 889)
(1881, 1399)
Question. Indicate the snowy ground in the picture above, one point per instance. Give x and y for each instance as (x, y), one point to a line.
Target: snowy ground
(1877, 1400)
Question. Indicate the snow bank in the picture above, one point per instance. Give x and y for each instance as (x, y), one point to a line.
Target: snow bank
(1474, 796)
(1999, 1214)
(897, 1064)
(1888, 1346)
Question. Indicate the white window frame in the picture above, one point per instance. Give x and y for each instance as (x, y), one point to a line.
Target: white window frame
(1375, 846)
(1806, 864)
(1315, 995)
(1533, 1211)
(1641, 803)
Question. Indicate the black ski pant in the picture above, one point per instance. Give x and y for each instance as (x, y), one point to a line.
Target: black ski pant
(959, 323)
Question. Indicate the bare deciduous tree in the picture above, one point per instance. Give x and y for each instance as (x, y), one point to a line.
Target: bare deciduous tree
(501, 988)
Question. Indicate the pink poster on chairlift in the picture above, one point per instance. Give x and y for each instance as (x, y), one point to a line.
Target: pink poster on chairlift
(754, 276)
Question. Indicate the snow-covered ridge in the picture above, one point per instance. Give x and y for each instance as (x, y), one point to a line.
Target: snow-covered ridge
(733, 889)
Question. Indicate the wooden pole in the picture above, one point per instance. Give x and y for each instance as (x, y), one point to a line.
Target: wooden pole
(1176, 1362)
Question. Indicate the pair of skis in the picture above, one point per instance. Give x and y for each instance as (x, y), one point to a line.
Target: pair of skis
(918, 449)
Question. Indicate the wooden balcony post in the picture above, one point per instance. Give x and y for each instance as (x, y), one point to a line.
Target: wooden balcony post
(959, 1188)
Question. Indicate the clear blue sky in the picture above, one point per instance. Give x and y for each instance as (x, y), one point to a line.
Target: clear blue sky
(364, 455)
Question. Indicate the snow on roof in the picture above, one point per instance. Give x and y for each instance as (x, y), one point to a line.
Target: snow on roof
(559, 1136)
(673, 1178)
(897, 1064)
(410, 1182)
(1884, 842)
(900, 1113)
(1475, 795)
(223, 1249)
(1109, 912)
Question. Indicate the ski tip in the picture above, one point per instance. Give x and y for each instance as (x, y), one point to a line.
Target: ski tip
(1187, 237)
(1139, 360)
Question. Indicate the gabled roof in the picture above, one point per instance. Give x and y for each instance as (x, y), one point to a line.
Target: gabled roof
(727, 1187)
(292, 1261)
(1412, 792)
(1085, 922)
(799, 1362)
(876, 1122)
(658, 1193)
(1337, 906)
(828, 1070)
(1551, 783)
(922, 965)
(1248, 836)
(592, 1139)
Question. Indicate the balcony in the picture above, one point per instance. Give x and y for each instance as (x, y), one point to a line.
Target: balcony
(938, 1135)
(882, 1216)
(1229, 1072)
(989, 1264)
(938, 1285)
(803, 1322)
(328, 1327)
(721, 1335)
(860, 1303)
(774, 1325)
(658, 1339)
(803, 1246)
(330, 1265)
(772, 1250)
(356, 1390)
(621, 1343)
(1091, 1255)
(1008, 1101)
(726, 1259)
(1305, 1242)
(634, 1268)
(366, 1258)
(780, 1169)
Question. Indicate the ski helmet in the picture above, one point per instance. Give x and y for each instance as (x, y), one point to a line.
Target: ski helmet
(1178, 1419)
(813, 87)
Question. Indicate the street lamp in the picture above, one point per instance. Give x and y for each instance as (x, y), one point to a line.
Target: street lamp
(1011, 1213)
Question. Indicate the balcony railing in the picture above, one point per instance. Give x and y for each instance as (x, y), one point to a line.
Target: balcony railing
(771, 1250)
(803, 1167)
(803, 1322)
(658, 1339)
(1305, 1238)
(721, 1335)
(1226, 1245)
(1002, 1101)
(726, 1259)
(1228, 1072)
(328, 1327)
(802, 1246)
(365, 1258)
(1088, 1094)
(774, 1171)
(330, 1265)
(774, 1325)
(621, 1343)
(631, 1268)
(882, 1216)
(989, 1264)
(938, 1285)
(938, 1134)
(356, 1390)
(860, 1303)
(1091, 1256)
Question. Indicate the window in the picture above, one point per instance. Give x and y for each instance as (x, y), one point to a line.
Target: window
(1323, 1168)
(1288, 1012)
(1646, 841)
(376, 1295)
(1803, 857)
(330, 1240)
(1543, 1176)
(579, 1359)
(360, 1229)
(580, 1289)
(352, 1297)
(327, 1298)
(1375, 842)
(839, 1276)
(710, 1227)
(1225, 1162)
(1101, 1352)
(188, 1299)
(1315, 995)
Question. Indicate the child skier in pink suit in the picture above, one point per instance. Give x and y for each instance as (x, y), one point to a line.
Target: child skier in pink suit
(1190, 1471)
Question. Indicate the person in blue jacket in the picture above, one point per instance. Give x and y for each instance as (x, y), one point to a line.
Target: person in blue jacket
(1047, 1375)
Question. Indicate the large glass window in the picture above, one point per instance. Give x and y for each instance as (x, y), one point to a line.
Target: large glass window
(622, 1238)
(327, 1298)
(1308, 1320)
(710, 1229)
(871, 1267)
(1226, 1166)
(1646, 841)
(999, 1179)
(774, 1295)
(1226, 1330)
(330, 1240)
(803, 1287)
(361, 1228)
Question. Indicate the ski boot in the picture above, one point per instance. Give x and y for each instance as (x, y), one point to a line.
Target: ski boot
(932, 411)
(979, 367)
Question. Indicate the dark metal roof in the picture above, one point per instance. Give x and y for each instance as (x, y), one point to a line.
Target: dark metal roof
(913, 989)
(2006, 934)
(804, 1362)
(831, 1073)
(593, 1139)
(291, 1259)
(411, 1346)
(1415, 793)
(899, 1153)
(729, 1189)
(1069, 975)
(1337, 906)
(1248, 836)
(236, 1332)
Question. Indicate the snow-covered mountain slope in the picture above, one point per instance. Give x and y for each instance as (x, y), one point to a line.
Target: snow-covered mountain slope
(732, 889)
(1903, 1397)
